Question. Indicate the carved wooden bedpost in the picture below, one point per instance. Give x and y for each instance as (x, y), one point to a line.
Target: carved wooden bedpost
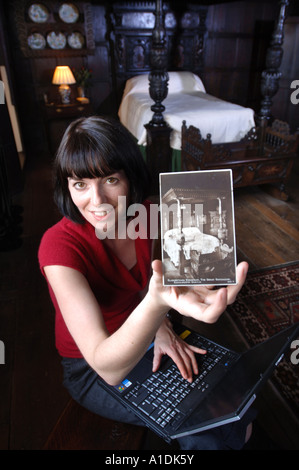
(158, 132)
(271, 75)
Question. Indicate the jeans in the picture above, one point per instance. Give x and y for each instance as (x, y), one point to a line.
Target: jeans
(82, 383)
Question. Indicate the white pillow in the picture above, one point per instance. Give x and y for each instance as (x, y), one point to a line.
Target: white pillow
(178, 82)
(137, 84)
(184, 82)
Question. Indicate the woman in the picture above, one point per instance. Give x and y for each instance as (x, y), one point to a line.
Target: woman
(108, 305)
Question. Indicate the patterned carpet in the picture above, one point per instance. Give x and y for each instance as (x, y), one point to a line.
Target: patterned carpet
(269, 302)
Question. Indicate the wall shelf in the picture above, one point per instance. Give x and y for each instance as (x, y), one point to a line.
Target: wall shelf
(47, 32)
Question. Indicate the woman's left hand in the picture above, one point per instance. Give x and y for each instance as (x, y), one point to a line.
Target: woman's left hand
(168, 342)
(203, 303)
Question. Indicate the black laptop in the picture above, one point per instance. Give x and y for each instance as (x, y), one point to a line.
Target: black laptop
(223, 390)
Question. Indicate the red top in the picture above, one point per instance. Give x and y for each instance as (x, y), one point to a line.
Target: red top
(115, 287)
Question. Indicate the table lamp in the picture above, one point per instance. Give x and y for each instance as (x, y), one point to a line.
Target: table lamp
(64, 77)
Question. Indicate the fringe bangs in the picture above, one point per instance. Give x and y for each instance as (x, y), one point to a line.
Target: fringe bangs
(88, 159)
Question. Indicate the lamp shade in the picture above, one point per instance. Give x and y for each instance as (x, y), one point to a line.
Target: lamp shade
(63, 76)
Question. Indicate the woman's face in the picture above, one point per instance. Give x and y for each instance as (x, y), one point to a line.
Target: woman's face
(101, 201)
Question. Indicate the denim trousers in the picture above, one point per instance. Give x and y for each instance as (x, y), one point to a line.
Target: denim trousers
(83, 385)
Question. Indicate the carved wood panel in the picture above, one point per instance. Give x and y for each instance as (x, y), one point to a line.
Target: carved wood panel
(257, 159)
(131, 35)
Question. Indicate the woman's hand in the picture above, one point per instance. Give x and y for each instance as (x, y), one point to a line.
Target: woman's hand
(182, 354)
(203, 303)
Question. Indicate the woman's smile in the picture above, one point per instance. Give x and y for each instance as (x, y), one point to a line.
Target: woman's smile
(102, 213)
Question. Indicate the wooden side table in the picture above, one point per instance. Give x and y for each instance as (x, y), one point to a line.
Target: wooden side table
(57, 117)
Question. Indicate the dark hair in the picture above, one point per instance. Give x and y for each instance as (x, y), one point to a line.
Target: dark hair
(96, 147)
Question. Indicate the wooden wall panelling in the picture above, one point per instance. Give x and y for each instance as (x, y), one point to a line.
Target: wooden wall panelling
(282, 105)
(262, 35)
(229, 79)
(101, 90)
(230, 56)
(101, 93)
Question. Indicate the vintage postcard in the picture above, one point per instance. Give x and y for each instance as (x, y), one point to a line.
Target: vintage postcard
(198, 228)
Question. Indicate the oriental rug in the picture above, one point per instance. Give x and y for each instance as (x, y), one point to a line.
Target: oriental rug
(267, 303)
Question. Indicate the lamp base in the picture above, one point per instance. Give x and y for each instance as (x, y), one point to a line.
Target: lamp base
(65, 93)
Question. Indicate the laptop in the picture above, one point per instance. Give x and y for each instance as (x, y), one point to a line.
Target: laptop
(223, 390)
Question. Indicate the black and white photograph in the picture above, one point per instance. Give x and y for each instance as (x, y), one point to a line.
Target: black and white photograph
(197, 227)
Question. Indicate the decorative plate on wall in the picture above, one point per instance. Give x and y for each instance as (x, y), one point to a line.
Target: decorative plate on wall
(38, 13)
(56, 40)
(36, 41)
(54, 28)
(68, 13)
(76, 40)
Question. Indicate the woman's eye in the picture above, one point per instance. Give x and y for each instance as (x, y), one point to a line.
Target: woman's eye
(79, 185)
(112, 180)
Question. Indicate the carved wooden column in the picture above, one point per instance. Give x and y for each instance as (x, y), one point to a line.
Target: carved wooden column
(158, 132)
(271, 75)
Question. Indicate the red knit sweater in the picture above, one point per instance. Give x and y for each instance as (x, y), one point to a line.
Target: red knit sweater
(115, 287)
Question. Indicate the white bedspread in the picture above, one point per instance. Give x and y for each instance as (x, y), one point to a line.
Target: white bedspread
(186, 100)
(194, 240)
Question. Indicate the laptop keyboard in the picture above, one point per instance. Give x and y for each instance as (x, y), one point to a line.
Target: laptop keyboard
(166, 397)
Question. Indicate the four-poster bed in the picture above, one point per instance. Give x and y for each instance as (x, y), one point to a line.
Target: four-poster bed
(186, 100)
(156, 104)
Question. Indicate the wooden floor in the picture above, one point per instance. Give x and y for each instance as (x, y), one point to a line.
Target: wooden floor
(32, 396)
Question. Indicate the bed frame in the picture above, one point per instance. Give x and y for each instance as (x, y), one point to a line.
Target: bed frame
(265, 155)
